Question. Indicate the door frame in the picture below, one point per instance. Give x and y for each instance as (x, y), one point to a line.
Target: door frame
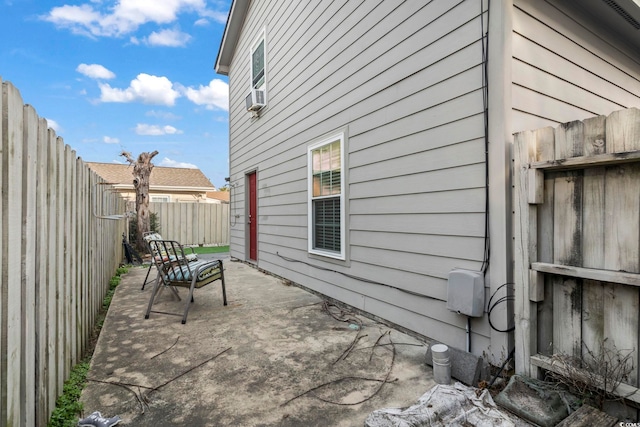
(251, 235)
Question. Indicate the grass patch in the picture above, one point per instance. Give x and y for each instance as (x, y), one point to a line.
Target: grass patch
(210, 249)
(68, 406)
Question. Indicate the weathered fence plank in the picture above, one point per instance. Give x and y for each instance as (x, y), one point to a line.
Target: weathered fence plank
(52, 277)
(61, 306)
(41, 257)
(593, 141)
(623, 131)
(545, 254)
(567, 244)
(12, 330)
(525, 232)
(29, 335)
(622, 246)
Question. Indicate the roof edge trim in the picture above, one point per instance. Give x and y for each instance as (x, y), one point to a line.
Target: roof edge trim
(231, 35)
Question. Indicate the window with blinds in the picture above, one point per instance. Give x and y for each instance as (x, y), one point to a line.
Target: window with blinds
(326, 228)
(257, 65)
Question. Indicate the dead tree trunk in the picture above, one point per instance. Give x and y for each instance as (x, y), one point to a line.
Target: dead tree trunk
(141, 172)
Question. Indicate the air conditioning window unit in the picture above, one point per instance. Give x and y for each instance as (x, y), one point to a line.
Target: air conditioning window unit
(255, 100)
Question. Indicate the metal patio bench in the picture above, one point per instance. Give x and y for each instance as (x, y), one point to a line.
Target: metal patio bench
(152, 235)
(174, 271)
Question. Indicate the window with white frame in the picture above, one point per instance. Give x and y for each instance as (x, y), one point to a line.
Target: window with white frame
(326, 197)
(258, 64)
(164, 199)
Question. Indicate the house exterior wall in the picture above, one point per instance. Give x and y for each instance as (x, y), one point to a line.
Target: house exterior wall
(566, 68)
(404, 84)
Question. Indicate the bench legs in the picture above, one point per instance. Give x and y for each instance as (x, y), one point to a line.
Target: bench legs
(189, 300)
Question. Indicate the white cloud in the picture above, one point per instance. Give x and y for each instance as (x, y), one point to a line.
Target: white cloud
(54, 125)
(146, 129)
(123, 17)
(144, 88)
(215, 95)
(110, 140)
(171, 38)
(202, 22)
(219, 17)
(81, 19)
(167, 162)
(166, 115)
(95, 71)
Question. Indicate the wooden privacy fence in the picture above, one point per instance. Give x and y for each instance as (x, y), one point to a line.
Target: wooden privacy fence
(193, 223)
(57, 259)
(577, 247)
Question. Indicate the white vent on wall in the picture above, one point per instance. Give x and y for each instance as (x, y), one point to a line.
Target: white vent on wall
(255, 100)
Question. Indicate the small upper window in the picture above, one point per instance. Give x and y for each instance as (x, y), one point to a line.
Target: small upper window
(160, 199)
(257, 65)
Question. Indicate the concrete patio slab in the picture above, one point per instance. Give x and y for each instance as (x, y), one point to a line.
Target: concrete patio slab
(273, 356)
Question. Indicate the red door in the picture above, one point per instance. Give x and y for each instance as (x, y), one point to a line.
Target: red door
(252, 220)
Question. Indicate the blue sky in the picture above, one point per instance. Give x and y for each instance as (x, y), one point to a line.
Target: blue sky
(113, 75)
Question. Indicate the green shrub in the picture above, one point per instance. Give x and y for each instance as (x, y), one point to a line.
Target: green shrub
(154, 225)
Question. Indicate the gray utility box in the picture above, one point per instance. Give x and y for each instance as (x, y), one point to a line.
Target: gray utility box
(465, 292)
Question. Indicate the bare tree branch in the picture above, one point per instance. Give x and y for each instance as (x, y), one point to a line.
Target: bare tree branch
(127, 156)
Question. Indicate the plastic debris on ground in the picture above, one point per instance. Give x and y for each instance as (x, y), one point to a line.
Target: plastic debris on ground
(445, 405)
(97, 420)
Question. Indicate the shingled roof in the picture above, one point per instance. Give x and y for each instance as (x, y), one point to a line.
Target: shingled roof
(120, 174)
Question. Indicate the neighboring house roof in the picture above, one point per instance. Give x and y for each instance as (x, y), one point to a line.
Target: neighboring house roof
(162, 178)
(218, 195)
(231, 35)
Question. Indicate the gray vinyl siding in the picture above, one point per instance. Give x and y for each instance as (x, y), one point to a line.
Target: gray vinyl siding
(403, 80)
(566, 69)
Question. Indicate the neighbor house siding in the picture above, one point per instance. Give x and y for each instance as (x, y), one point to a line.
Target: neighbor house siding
(404, 82)
(564, 68)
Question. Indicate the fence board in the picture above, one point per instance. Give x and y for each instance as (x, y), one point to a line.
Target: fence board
(29, 334)
(52, 278)
(622, 245)
(593, 245)
(61, 307)
(545, 254)
(623, 131)
(525, 232)
(621, 323)
(41, 257)
(12, 253)
(68, 252)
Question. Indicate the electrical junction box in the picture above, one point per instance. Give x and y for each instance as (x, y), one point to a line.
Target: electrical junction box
(465, 292)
